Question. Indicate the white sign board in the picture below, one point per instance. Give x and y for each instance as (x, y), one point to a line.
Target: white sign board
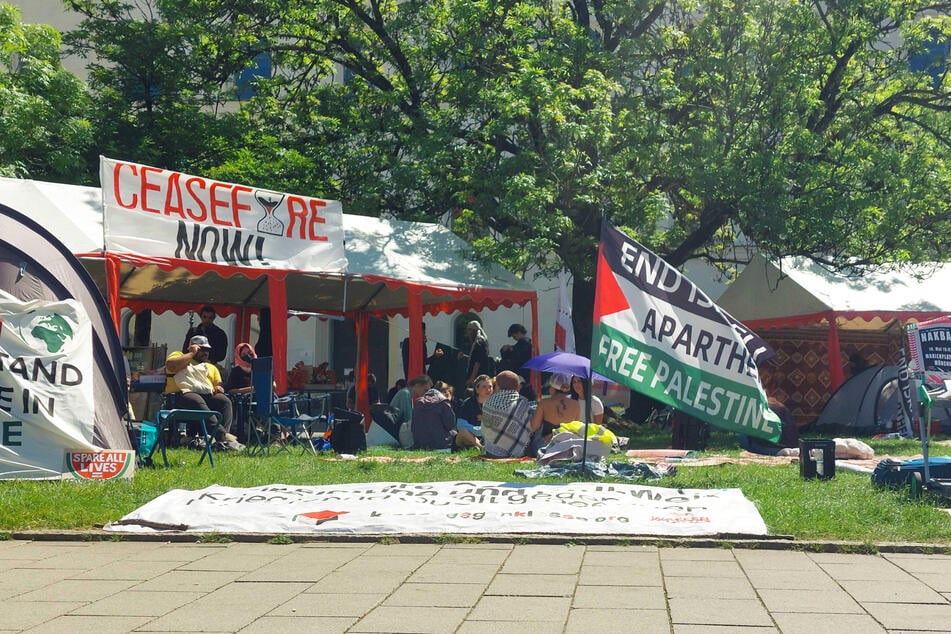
(46, 386)
(168, 216)
(450, 507)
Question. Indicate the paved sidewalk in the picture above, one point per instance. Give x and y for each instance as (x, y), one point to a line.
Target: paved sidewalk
(148, 586)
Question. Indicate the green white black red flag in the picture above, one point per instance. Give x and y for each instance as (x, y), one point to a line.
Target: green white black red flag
(657, 333)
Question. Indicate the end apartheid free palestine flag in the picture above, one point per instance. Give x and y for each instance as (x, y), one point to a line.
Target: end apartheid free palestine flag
(657, 333)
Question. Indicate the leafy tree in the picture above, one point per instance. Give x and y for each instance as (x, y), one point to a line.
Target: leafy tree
(150, 105)
(43, 108)
(800, 127)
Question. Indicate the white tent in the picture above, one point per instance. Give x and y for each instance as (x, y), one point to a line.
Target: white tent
(395, 268)
(813, 315)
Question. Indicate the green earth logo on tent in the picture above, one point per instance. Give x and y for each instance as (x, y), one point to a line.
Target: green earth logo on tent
(52, 330)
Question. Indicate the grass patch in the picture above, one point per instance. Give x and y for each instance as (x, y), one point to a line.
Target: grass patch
(846, 508)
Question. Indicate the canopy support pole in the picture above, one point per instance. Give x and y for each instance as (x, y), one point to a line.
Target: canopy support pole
(415, 301)
(363, 361)
(113, 266)
(277, 297)
(836, 377)
(536, 348)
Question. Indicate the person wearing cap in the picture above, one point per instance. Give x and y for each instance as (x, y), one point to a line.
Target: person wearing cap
(508, 427)
(558, 408)
(198, 385)
(514, 356)
(215, 335)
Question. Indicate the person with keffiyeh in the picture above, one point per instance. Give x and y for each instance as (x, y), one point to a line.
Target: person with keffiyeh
(239, 379)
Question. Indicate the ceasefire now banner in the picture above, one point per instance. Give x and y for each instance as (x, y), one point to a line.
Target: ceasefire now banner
(657, 333)
(164, 215)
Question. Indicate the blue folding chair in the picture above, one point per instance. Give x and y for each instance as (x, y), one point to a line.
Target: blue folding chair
(267, 426)
(167, 419)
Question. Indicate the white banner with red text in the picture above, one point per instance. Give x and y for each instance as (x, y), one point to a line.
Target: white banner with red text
(164, 215)
(465, 507)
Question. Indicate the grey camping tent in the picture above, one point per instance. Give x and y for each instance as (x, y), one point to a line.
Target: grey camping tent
(34, 264)
(867, 404)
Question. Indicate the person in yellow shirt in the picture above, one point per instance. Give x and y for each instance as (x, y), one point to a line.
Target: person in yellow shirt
(197, 385)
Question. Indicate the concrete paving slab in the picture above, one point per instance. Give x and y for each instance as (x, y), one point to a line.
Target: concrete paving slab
(621, 621)
(645, 575)
(917, 562)
(712, 568)
(810, 601)
(136, 603)
(773, 560)
(908, 590)
(620, 597)
(369, 565)
(544, 559)
(73, 624)
(433, 572)
(938, 581)
(500, 627)
(299, 625)
(351, 604)
(17, 581)
(720, 629)
(696, 554)
(441, 595)
(709, 587)
(620, 559)
(553, 610)
(84, 590)
(22, 615)
(540, 585)
(304, 564)
(397, 620)
(736, 612)
(340, 582)
(128, 569)
(792, 579)
(228, 609)
(827, 623)
(198, 581)
(912, 616)
(402, 550)
(453, 556)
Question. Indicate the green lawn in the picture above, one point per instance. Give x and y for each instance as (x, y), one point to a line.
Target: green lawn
(847, 508)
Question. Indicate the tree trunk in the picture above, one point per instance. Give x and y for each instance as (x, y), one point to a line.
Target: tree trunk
(582, 311)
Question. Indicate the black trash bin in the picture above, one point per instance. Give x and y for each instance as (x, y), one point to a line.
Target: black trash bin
(816, 458)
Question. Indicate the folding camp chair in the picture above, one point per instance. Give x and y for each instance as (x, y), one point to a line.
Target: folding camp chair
(269, 426)
(168, 419)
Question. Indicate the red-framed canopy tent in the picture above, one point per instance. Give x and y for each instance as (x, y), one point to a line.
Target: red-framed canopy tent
(394, 268)
(798, 296)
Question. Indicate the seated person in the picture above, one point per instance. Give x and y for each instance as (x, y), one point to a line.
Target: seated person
(558, 408)
(399, 385)
(597, 407)
(239, 379)
(372, 392)
(433, 421)
(508, 428)
(197, 385)
(403, 402)
(469, 413)
(788, 439)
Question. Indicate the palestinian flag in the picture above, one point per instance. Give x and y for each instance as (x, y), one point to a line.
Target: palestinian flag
(657, 333)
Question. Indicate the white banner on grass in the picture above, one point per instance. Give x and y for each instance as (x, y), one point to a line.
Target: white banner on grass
(451, 507)
(164, 215)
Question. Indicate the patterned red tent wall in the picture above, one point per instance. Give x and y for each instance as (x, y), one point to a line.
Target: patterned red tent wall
(799, 373)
